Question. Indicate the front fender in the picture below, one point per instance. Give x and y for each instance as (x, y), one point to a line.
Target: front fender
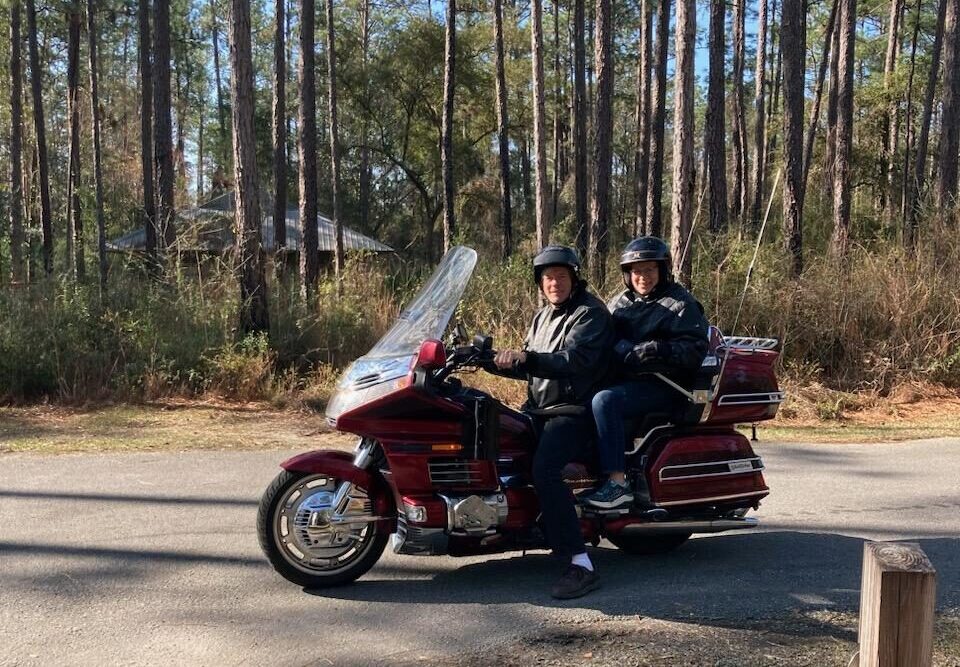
(340, 465)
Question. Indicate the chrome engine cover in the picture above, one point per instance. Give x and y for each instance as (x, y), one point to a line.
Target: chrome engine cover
(475, 515)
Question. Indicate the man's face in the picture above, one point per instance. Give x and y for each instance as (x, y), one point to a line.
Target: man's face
(644, 277)
(556, 283)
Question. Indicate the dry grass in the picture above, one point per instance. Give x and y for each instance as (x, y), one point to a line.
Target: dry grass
(161, 425)
(914, 410)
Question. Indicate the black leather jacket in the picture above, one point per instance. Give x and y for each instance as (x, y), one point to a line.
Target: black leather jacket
(568, 348)
(669, 315)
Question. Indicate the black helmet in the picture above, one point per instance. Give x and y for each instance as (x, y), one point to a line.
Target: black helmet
(556, 255)
(646, 249)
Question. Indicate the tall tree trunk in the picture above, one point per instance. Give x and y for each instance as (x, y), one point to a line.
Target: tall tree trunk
(818, 93)
(16, 146)
(149, 221)
(739, 123)
(503, 122)
(541, 196)
(654, 221)
(559, 166)
(888, 146)
(759, 105)
(684, 176)
(793, 46)
(221, 107)
(43, 167)
(364, 123)
(715, 140)
(75, 262)
(830, 152)
(841, 176)
(279, 134)
(919, 169)
(446, 142)
(950, 132)
(307, 147)
(95, 131)
(254, 314)
(602, 141)
(641, 156)
(200, 157)
(163, 123)
(774, 108)
(908, 117)
(338, 262)
(580, 126)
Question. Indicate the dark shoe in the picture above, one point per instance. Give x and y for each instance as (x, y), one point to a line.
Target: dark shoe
(610, 496)
(576, 582)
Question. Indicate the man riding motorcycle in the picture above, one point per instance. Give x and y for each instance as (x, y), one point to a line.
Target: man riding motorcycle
(564, 358)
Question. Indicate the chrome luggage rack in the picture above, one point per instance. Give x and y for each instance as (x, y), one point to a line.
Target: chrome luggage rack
(750, 343)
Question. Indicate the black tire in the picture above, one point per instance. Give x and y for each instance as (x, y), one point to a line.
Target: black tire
(648, 545)
(287, 495)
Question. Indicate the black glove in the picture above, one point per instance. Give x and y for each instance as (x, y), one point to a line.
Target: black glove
(648, 351)
(622, 350)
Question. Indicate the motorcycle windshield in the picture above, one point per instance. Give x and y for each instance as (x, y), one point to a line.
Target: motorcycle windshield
(373, 375)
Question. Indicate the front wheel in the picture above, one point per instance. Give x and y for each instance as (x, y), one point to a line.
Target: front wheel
(302, 542)
(647, 545)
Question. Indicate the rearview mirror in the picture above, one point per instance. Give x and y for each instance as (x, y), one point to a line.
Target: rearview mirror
(483, 343)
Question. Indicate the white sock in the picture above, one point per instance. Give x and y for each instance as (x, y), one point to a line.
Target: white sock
(583, 560)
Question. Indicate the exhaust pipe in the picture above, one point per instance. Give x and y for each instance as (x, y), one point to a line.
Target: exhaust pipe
(690, 526)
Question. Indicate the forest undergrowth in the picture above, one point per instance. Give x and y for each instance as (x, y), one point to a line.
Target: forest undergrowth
(851, 335)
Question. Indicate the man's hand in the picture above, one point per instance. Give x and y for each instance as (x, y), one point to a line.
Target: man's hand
(506, 359)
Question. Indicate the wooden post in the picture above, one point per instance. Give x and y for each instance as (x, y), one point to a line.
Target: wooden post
(896, 606)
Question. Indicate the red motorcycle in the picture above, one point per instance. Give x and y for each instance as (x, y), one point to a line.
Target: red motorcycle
(446, 469)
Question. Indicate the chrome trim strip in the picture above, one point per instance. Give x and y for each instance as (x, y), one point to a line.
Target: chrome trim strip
(638, 446)
(714, 526)
(750, 343)
(696, 501)
(759, 398)
(712, 474)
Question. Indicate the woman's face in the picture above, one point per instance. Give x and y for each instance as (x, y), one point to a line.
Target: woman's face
(644, 277)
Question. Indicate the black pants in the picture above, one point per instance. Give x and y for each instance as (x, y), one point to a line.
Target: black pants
(563, 439)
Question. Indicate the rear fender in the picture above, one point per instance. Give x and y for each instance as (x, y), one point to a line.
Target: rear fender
(340, 465)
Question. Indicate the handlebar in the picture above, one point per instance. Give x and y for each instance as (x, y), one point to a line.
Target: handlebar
(463, 356)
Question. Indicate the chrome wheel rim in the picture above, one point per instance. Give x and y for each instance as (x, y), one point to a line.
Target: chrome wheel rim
(305, 534)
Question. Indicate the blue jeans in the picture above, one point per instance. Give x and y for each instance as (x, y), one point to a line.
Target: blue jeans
(631, 401)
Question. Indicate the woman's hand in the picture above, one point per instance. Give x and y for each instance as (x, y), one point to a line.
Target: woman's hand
(506, 359)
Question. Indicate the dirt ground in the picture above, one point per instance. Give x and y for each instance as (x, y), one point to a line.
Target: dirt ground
(818, 639)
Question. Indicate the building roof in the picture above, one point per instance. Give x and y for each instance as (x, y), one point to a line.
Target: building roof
(209, 228)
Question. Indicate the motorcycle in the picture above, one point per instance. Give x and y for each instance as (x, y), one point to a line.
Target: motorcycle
(441, 468)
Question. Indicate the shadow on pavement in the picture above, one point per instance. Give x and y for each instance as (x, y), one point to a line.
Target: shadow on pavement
(722, 578)
(128, 498)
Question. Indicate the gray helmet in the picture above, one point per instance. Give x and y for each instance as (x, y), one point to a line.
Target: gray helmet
(556, 255)
(646, 249)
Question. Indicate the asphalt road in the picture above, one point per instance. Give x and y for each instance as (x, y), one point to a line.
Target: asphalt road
(153, 559)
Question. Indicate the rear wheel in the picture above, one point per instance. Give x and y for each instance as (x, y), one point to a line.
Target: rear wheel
(303, 544)
(646, 545)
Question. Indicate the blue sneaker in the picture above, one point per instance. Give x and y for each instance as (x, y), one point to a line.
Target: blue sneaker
(609, 496)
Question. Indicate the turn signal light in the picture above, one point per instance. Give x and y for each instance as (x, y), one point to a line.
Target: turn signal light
(432, 354)
(447, 447)
(415, 513)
